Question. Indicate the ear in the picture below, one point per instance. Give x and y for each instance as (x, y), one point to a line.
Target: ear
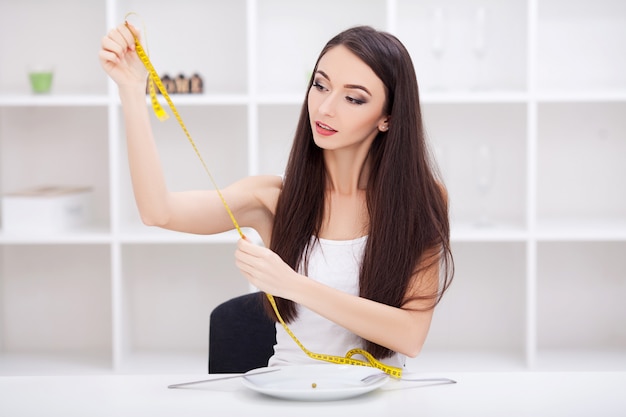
(383, 126)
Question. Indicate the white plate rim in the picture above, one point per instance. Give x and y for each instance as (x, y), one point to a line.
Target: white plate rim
(250, 380)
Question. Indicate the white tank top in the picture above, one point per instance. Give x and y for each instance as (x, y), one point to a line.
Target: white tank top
(335, 263)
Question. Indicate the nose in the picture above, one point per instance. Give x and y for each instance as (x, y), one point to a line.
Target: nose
(328, 104)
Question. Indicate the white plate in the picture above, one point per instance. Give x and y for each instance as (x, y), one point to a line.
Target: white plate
(322, 382)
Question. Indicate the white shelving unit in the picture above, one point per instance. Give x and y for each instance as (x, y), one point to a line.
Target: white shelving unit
(537, 87)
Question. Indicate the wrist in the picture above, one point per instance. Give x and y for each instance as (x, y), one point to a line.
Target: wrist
(132, 88)
(299, 288)
(132, 92)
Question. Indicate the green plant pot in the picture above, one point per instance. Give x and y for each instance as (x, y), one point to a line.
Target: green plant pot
(41, 82)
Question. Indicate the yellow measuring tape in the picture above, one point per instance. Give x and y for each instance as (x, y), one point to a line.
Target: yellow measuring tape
(155, 80)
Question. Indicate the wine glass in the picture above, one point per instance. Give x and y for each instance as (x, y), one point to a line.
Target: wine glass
(439, 163)
(479, 46)
(437, 46)
(484, 169)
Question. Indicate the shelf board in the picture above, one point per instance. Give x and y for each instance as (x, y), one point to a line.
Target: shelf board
(155, 362)
(281, 99)
(581, 230)
(195, 362)
(55, 363)
(85, 235)
(589, 96)
(555, 230)
(203, 99)
(51, 100)
(497, 232)
(466, 361)
(473, 97)
(581, 360)
(149, 235)
(428, 97)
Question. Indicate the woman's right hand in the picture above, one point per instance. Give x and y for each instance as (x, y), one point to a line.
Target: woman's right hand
(119, 58)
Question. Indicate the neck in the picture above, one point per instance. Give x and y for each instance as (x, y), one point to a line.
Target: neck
(347, 172)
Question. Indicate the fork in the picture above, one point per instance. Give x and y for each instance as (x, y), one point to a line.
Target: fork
(372, 378)
(221, 378)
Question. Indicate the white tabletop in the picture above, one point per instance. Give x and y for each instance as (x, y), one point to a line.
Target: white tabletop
(476, 394)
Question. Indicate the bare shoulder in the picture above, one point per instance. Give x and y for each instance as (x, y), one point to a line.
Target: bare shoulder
(264, 190)
(443, 191)
(255, 200)
(267, 189)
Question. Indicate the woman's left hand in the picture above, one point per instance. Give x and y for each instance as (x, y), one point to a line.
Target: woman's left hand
(265, 270)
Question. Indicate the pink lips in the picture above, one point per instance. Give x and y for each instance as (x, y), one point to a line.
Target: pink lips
(324, 129)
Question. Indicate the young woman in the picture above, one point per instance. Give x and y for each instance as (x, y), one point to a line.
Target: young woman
(356, 234)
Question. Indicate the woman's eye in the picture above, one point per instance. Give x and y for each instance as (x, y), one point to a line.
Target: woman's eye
(355, 100)
(318, 86)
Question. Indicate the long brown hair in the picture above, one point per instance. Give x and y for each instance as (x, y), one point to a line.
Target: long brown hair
(407, 205)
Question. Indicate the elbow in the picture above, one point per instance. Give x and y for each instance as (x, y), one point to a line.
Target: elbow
(414, 350)
(414, 343)
(154, 220)
(415, 333)
(149, 221)
(154, 214)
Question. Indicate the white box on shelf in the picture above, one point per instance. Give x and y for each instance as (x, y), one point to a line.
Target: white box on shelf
(46, 209)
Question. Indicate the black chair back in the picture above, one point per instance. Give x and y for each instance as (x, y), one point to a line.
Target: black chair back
(241, 335)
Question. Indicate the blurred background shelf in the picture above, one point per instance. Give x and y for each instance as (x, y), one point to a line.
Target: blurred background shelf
(524, 103)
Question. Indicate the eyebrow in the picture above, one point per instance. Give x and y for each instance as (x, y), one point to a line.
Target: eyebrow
(350, 86)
